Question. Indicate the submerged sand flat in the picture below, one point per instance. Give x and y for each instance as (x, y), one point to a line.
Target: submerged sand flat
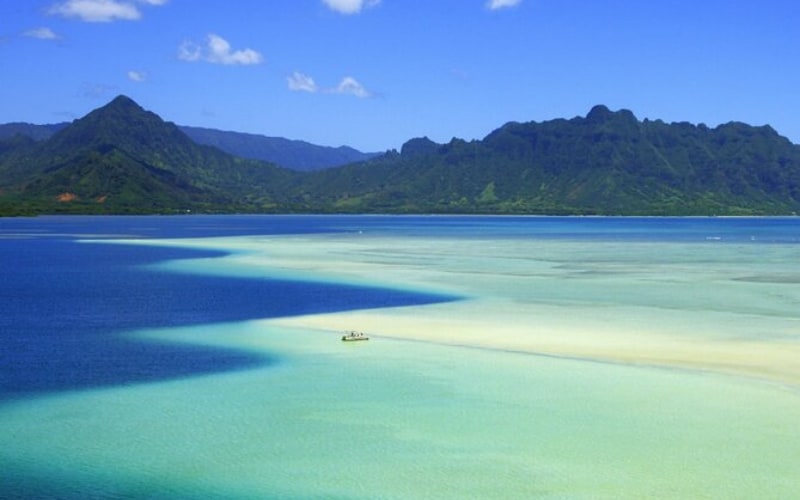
(567, 370)
(715, 307)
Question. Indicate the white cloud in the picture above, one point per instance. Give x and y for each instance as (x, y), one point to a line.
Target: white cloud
(137, 76)
(96, 11)
(350, 85)
(502, 4)
(102, 11)
(218, 51)
(41, 34)
(350, 6)
(189, 51)
(299, 82)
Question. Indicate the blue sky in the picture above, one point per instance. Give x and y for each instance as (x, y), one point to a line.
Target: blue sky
(373, 73)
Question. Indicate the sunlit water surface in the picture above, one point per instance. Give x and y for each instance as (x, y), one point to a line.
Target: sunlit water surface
(307, 416)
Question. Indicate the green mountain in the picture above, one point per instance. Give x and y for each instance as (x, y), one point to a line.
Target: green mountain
(35, 132)
(123, 159)
(292, 154)
(604, 163)
(296, 155)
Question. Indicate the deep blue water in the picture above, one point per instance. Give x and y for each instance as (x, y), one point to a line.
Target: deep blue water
(766, 229)
(65, 304)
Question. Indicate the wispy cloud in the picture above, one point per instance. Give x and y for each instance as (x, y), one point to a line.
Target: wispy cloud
(299, 82)
(137, 76)
(41, 34)
(190, 51)
(218, 51)
(102, 11)
(351, 86)
(350, 6)
(96, 11)
(502, 4)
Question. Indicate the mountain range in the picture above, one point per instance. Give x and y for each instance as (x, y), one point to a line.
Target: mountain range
(121, 158)
(289, 153)
(292, 154)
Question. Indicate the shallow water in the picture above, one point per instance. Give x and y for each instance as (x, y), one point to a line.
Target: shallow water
(394, 419)
(414, 417)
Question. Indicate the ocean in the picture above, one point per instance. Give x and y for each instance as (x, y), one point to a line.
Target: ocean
(510, 357)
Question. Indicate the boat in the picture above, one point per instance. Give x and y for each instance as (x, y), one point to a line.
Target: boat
(353, 336)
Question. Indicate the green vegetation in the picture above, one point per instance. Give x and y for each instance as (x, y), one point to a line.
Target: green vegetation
(605, 163)
(295, 155)
(123, 159)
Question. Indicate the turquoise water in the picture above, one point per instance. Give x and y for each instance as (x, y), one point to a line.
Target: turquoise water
(395, 418)
(403, 420)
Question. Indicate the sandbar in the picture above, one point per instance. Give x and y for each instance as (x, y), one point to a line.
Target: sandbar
(649, 305)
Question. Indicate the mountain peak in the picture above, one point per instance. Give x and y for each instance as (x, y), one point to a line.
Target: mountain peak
(418, 146)
(121, 103)
(123, 124)
(601, 113)
(123, 100)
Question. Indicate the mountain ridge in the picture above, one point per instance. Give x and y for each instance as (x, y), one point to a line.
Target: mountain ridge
(604, 163)
(288, 153)
(121, 158)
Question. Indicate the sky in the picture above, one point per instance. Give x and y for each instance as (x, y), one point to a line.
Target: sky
(372, 74)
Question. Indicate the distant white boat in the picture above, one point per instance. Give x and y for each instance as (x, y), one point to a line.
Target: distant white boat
(353, 336)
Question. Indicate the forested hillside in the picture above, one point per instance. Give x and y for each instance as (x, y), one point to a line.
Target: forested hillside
(123, 159)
